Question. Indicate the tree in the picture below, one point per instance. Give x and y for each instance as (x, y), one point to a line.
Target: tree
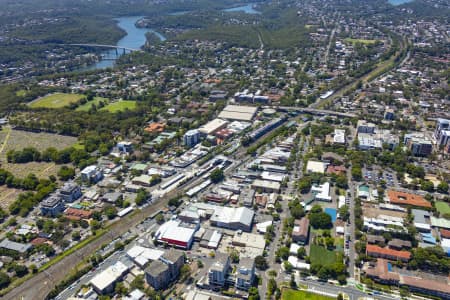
(185, 272)
(427, 185)
(442, 187)
(344, 214)
(141, 197)
(4, 280)
(234, 255)
(137, 283)
(288, 267)
(95, 225)
(200, 264)
(159, 218)
(261, 263)
(271, 286)
(253, 293)
(217, 175)
(65, 173)
(301, 252)
(320, 220)
(283, 252)
(76, 236)
(110, 212)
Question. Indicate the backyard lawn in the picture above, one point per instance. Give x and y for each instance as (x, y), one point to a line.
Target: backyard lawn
(320, 255)
(442, 207)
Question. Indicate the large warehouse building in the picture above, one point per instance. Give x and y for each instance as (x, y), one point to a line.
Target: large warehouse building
(175, 234)
(238, 113)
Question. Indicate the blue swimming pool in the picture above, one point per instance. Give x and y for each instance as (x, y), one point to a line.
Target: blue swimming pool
(332, 212)
(389, 267)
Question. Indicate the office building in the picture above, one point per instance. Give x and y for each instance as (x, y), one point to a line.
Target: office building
(191, 138)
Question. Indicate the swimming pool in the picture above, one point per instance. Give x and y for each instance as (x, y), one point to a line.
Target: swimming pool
(332, 212)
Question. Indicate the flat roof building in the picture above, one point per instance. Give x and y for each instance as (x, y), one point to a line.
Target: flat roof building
(104, 282)
(212, 126)
(316, 166)
(238, 113)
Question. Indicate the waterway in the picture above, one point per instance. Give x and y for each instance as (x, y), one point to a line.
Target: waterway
(399, 2)
(248, 9)
(134, 39)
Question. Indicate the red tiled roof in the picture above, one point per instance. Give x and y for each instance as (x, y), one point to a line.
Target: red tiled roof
(373, 249)
(396, 197)
(38, 241)
(80, 213)
(445, 233)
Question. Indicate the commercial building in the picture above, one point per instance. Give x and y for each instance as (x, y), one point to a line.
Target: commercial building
(70, 192)
(142, 255)
(365, 127)
(238, 113)
(266, 186)
(191, 138)
(257, 133)
(14, 246)
(240, 218)
(339, 136)
(176, 234)
(104, 282)
(421, 220)
(300, 232)
(418, 144)
(212, 127)
(316, 166)
(52, 206)
(211, 239)
(321, 192)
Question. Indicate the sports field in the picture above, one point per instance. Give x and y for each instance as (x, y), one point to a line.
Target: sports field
(361, 41)
(87, 106)
(57, 100)
(289, 294)
(120, 106)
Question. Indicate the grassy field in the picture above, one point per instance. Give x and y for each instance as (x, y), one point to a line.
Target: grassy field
(322, 256)
(8, 196)
(17, 140)
(88, 105)
(21, 93)
(56, 100)
(120, 106)
(361, 41)
(289, 294)
(442, 207)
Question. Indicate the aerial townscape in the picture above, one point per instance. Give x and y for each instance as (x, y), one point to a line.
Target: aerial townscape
(206, 149)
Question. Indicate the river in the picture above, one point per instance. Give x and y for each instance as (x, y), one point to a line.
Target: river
(248, 9)
(134, 39)
(398, 2)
